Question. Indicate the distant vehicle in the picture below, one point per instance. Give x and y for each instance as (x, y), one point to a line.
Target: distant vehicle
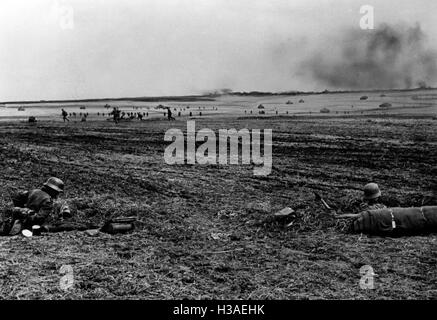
(301, 101)
(260, 106)
(385, 105)
(21, 109)
(325, 110)
(289, 102)
(262, 112)
(82, 107)
(364, 98)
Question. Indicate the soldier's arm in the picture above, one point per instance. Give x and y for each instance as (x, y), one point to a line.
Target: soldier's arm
(351, 206)
(43, 213)
(337, 215)
(346, 215)
(62, 209)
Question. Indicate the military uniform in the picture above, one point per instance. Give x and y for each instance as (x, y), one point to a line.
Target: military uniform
(34, 207)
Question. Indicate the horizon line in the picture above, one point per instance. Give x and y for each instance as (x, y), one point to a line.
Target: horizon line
(207, 96)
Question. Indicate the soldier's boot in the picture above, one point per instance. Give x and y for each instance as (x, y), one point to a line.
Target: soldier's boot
(16, 228)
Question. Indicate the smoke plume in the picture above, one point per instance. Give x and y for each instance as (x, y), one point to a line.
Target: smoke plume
(387, 57)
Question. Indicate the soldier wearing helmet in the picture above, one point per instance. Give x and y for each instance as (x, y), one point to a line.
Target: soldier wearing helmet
(369, 201)
(371, 197)
(35, 207)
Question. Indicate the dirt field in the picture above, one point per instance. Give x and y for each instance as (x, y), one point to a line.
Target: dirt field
(205, 231)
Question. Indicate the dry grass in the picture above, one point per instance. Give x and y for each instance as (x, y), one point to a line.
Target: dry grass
(205, 231)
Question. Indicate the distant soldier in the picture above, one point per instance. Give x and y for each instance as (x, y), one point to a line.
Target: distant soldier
(116, 114)
(65, 115)
(140, 116)
(169, 114)
(35, 207)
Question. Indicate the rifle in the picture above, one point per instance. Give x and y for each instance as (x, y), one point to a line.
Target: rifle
(332, 210)
(319, 198)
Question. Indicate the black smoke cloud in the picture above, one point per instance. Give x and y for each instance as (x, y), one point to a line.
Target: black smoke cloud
(386, 57)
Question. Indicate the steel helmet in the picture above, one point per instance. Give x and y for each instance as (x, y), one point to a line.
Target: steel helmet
(371, 191)
(55, 184)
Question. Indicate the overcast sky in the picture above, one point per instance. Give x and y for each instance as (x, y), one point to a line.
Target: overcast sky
(174, 47)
